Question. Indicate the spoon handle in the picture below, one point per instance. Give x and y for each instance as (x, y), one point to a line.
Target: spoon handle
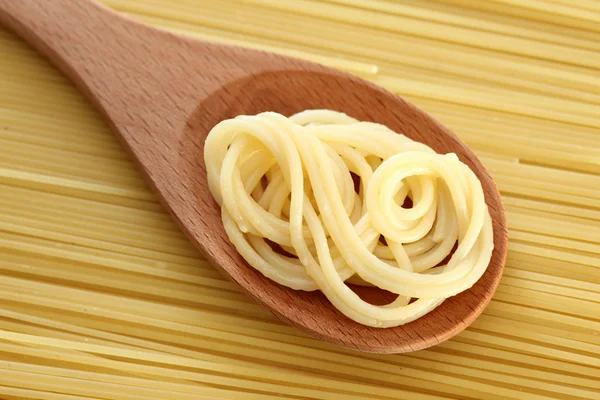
(144, 81)
(85, 40)
(108, 57)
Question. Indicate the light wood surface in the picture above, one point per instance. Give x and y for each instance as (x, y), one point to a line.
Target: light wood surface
(161, 93)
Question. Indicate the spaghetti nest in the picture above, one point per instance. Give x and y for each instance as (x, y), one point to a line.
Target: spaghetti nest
(333, 193)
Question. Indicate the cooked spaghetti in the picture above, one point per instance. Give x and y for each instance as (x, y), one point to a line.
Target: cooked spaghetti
(289, 182)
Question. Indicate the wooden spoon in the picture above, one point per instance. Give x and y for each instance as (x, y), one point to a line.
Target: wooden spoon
(161, 94)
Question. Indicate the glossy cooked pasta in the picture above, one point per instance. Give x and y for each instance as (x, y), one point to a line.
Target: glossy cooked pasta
(290, 182)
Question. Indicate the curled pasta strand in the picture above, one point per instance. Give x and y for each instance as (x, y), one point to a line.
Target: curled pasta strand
(325, 188)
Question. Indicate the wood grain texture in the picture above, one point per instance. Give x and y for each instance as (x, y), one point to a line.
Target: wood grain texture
(162, 93)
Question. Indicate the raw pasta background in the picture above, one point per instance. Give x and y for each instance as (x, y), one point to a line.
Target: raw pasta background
(102, 297)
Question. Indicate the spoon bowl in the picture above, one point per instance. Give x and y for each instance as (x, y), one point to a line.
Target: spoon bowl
(162, 93)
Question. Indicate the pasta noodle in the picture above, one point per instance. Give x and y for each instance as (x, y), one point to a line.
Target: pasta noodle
(89, 257)
(299, 169)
